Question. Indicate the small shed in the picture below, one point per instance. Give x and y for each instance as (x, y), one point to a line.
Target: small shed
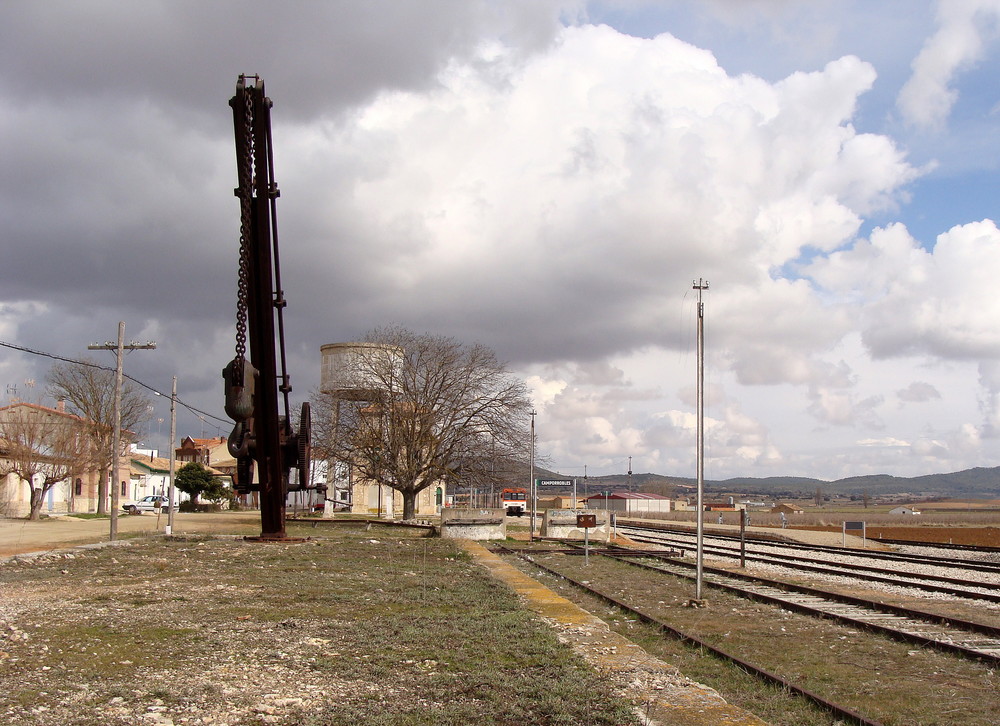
(630, 503)
(786, 508)
(903, 510)
(720, 507)
(563, 502)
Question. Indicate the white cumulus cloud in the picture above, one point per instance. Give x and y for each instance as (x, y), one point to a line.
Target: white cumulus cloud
(964, 28)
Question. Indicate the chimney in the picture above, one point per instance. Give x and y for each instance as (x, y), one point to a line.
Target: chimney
(61, 405)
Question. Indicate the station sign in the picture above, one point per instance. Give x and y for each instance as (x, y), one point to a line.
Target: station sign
(554, 483)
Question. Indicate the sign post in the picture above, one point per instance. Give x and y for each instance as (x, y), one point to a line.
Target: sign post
(855, 526)
(586, 521)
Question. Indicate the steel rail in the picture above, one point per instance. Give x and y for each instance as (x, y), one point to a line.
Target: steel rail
(945, 641)
(936, 561)
(942, 545)
(754, 670)
(863, 572)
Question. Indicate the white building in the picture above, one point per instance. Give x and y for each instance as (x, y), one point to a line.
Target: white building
(630, 503)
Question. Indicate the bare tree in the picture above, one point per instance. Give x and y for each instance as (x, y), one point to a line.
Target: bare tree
(41, 447)
(434, 410)
(89, 392)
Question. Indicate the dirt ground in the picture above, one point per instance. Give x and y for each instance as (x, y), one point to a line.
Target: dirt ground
(18, 536)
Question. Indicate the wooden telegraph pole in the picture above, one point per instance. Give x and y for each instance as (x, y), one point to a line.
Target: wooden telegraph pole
(116, 436)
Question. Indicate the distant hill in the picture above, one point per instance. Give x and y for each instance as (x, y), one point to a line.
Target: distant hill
(977, 482)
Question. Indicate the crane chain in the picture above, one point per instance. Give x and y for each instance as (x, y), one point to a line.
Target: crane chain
(246, 207)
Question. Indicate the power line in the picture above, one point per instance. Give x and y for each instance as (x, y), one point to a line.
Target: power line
(90, 364)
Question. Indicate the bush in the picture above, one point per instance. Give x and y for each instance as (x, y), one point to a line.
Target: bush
(197, 482)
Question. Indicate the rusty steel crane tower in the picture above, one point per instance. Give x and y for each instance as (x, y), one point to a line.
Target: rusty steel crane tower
(262, 439)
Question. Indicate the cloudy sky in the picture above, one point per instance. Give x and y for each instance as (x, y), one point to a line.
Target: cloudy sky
(547, 177)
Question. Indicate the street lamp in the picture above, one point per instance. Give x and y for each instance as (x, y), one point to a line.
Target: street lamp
(700, 286)
(531, 470)
(172, 456)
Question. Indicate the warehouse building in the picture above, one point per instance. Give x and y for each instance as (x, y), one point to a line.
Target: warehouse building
(629, 503)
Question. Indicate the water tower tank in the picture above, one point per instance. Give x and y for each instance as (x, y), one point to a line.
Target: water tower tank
(346, 369)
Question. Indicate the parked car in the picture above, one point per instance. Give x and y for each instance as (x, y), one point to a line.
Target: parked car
(148, 504)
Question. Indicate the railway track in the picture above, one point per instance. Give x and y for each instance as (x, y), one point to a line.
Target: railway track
(941, 545)
(972, 641)
(922, 559)
(838, 710)
(964, 637)
(955, 586)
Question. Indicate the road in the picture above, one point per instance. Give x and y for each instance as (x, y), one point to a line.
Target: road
(18, 536)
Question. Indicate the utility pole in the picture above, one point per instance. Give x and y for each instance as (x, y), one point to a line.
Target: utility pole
(116, 436)
(173, 455)
(700, 286)
(630, 474)
(531, 473)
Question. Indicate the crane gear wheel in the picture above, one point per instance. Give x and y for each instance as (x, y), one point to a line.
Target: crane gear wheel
(304, 443)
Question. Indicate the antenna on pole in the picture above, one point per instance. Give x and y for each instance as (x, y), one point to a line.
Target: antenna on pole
(700, 285)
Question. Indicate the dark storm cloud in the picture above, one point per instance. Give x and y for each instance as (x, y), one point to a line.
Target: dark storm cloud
(183, 55)
(482, 169)
(119, 165)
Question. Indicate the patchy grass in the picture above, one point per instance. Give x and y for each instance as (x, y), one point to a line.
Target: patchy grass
(349, 628)
(896, 683)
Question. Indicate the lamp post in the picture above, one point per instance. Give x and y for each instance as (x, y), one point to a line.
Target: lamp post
(700, 286)
(173, 456)
(531, 473)
(116, 437)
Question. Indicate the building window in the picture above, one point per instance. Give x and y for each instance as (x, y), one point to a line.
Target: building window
(124, 489)
(78, 487)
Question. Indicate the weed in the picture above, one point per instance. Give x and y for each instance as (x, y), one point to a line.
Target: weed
(354, 628)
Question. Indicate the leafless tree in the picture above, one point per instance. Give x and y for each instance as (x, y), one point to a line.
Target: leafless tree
(41, 447)
(89, 392)
(434, 410)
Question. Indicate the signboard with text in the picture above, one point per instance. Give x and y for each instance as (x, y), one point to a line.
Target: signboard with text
(554, 483)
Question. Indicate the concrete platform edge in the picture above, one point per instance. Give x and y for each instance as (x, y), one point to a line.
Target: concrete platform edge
(661, 693)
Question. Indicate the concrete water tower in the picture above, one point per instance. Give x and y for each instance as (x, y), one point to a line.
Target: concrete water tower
(353, 371)
(356, 372)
